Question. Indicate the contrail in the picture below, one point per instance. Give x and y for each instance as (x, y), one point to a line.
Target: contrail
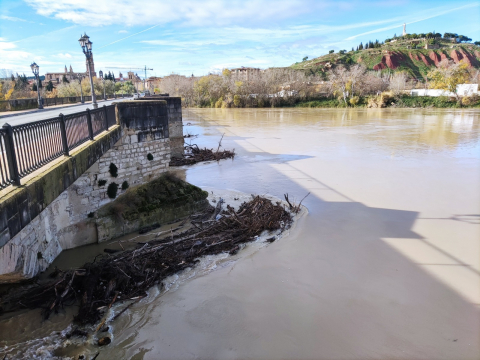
(150, 28)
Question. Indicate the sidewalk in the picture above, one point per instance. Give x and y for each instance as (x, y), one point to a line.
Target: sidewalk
(6, 114)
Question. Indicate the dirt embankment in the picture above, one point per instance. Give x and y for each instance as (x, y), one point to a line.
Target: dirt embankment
(393, 60)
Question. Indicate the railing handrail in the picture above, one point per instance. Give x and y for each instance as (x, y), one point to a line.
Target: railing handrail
(26, 147)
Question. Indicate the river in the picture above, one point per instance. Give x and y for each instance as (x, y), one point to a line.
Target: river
(386, 264)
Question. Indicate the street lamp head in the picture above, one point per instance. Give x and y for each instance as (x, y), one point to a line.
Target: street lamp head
(82, 41)
(89, 45)
(100, 73)
(34, 68)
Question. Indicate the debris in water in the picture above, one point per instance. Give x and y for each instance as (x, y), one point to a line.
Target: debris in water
(127, 275)
(104, 341)
(193, 154)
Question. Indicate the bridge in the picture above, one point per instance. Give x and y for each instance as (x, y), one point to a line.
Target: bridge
(54, 173)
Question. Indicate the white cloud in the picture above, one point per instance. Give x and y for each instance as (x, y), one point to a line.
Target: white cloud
(12, 18)
(4, 45)
(64, 56)
(123, 32)
(192, 12)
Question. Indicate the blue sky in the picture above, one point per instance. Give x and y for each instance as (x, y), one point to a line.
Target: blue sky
(186, 36)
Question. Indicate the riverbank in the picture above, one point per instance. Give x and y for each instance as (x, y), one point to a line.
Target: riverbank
(383, 100)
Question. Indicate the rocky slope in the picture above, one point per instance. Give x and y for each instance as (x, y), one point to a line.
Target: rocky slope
(417, 62)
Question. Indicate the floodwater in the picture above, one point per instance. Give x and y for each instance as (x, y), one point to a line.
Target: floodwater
(385, 264)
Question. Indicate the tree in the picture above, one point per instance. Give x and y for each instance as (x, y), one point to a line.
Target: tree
(50, 86)
(360, 47)
(305, 58)
(226, 72)
(13, 78)
(448, 75)
(342, 52)
(236, 100)
(34, 87)
(64, 79)
(477, 43)
(331, 51)
(463, 38)
(345, 82)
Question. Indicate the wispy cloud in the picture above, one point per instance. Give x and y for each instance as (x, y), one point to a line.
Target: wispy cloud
(123, 32)
(12, 18)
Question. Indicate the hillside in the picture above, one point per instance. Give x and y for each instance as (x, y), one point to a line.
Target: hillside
(407, 55)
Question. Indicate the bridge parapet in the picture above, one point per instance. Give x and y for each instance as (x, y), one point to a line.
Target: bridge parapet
(50, 211)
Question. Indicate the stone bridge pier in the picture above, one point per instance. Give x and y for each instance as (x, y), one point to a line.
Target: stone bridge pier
(52, 210)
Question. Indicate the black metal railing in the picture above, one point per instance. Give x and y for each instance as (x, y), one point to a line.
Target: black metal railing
(27, 147)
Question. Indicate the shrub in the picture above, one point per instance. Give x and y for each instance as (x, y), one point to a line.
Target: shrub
(236, 100)
(125, 185)
(112, 190)
(113, 170)
(331, 51)
(149, 156)
(470, 100)
(102, 182)
(260, 103)
(354, 100)
(218, 104)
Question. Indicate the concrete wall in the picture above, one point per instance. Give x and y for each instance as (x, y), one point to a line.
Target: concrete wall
(175, 125)
(462, 90)
(50, 213)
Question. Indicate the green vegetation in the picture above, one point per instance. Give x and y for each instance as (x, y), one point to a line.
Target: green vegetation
(164, 191)
(400, 101)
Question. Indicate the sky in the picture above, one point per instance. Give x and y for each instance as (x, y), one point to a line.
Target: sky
(199, 37)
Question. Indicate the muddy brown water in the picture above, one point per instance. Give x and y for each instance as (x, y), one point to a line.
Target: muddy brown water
(386, 264)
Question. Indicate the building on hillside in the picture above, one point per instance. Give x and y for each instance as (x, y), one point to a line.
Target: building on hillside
(56, 78)
(244, 73)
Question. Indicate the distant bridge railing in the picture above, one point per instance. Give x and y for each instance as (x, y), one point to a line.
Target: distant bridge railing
(27, 147)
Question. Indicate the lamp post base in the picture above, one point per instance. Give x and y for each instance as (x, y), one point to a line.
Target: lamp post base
(95, 105)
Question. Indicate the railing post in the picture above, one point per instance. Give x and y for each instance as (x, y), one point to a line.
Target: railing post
(11, 158)
(64, 135)
(89, 123)
(106, 116)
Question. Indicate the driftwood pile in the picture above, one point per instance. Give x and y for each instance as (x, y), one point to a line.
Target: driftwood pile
(128, 275)
(193, 154)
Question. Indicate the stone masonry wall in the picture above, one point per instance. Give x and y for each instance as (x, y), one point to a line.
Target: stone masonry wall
(175, 125)
(65, 223)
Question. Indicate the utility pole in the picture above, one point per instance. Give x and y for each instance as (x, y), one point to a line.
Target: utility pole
(145, 78)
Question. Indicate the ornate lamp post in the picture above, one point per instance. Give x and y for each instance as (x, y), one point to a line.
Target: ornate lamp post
(35, 68)
(86, 46)
(82, 100)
